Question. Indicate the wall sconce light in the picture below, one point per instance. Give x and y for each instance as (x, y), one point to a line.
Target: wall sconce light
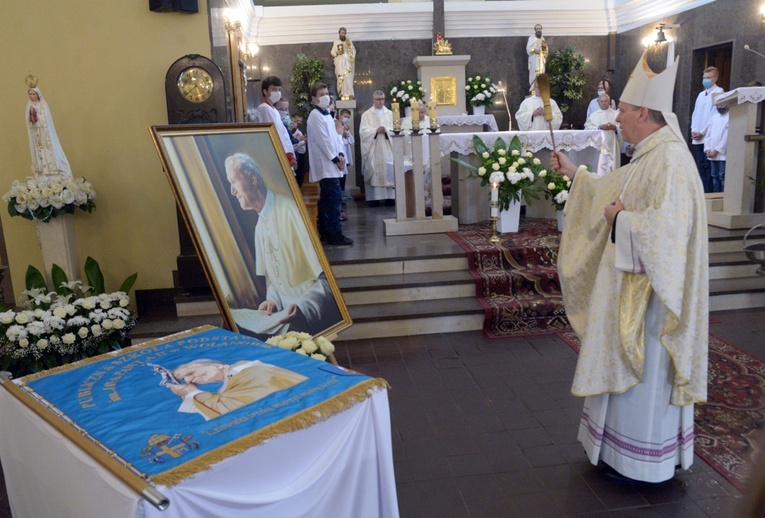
(660, 37)
(250, 58)
(762, 13)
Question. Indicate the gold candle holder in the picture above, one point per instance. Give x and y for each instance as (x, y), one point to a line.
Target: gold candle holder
(494, 210)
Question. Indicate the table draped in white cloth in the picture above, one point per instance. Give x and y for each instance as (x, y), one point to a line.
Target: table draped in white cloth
(340, 467)
(468, 120)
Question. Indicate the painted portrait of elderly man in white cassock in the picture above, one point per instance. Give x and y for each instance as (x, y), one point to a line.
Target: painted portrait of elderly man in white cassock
(298, 296)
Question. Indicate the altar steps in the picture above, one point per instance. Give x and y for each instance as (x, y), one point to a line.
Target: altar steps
(733, 281)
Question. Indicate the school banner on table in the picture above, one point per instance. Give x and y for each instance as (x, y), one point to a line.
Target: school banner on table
(172, 407)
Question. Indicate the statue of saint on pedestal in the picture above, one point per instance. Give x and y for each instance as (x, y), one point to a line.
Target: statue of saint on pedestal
(48, 158)
(344, 54)
(537, 50)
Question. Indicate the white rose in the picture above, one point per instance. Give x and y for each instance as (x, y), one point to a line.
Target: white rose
(56, 187)
(477, 78)
(521, 161)
(318, 356)
(96, 330)
(118, 323)
(274, 340)
(495, 166)
(68, 338)
(301, 351)
(325, 346)
(124, 301)
(550, 185)
(68, 197)
(57, 202)
(48, 192)
(502, 152)
(393, 90)
(467, 87)
(502, 160)
(289, 343)
(20, 207)
(59, 312)
(33, 204)
(565, 177)
(481, 171)
(7, 316)
(516, 152)
(528, 154)
(22, 318)
(107, 324)
(485, 154)
(310, 346)
(542, 173)
(83, 332)
(537, 161)
(23, 343)
(105, 304)
(88, 303)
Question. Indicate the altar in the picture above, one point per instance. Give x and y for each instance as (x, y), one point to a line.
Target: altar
(470, 201)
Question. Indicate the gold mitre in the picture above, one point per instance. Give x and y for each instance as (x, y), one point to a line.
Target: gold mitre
(654, 91)
(31, 81)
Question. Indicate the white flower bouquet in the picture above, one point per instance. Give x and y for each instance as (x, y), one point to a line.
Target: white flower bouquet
(53, 328)
(46, 197)
(556, 187)
(480, 90)
(406, 91)
(318, 348)
(509, 167)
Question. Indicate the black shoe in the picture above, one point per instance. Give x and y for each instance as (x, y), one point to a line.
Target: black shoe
(390, 203)
(340, 240)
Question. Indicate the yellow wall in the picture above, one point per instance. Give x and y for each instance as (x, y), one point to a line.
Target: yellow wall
(101, 67)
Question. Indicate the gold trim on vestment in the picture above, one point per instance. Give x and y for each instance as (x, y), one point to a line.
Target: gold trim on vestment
(635, 294)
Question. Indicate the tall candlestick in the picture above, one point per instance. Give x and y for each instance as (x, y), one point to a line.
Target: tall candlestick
(396, 115)
(415, 109)
(433, 115)
(494, 200)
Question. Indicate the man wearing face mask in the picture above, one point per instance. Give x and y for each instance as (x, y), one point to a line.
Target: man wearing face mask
(604, 87)
(267, 113)
(537, 50)
(375, 131)
(326, 165)
(702, 113)
(715, 146)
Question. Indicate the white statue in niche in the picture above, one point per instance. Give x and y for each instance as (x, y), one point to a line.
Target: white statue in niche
(48, 158)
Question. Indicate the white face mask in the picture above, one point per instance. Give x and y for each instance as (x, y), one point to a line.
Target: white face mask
(601, 92)
(274, 97)
(323, 101)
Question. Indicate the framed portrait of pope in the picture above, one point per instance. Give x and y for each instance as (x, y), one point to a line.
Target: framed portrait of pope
(245, 213)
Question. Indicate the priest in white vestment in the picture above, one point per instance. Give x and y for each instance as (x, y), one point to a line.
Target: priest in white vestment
(531, 114)
(604, 119)
(297, 290)
(375, 131)
(633, 264)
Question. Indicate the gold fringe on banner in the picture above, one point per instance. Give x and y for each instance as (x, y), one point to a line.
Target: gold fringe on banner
(303, 419)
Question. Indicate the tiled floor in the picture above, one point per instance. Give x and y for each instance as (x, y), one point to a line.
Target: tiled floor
(487, 427)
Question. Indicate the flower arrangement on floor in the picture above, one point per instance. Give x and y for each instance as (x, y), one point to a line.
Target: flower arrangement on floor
(509, 167)
(46, 197)
(53, 328)
(480, 90)
(318, 348)
(406, 91)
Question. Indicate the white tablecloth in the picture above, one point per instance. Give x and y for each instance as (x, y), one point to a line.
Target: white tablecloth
(468, 120)
(340, 467)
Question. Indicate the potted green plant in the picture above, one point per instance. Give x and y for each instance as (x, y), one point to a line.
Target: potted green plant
(305, 73)
(566, 72)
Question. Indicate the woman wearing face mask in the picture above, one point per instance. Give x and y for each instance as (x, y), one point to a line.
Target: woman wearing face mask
(604, 87)
(267, 113)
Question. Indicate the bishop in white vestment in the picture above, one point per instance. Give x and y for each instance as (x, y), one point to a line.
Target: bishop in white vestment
(634, 272)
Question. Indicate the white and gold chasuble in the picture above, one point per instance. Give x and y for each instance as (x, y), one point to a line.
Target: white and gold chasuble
(660, 187)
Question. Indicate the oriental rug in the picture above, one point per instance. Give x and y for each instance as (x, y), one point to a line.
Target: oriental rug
(516, 279)
(135, 405)
(728, 427)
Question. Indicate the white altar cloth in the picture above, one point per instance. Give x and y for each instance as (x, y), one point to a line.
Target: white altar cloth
(468, 120)
(341, 467)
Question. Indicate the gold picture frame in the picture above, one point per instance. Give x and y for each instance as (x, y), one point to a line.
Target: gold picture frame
(290, 268)
(444, 90)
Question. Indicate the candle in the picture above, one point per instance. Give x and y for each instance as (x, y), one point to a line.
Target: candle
(494, 200)
(396, 115)
(433, 115)
(415, 115)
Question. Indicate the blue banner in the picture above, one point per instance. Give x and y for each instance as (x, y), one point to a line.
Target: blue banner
(164, 404)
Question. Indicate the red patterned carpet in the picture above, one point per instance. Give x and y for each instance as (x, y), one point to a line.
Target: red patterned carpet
(516, 279)
(728, 426)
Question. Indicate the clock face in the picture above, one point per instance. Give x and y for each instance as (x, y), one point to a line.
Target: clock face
(195, 84)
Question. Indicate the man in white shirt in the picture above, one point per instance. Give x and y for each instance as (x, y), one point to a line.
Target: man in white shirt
(604, 119)
(716, 145)
(702, 112)
(326, 165)
(531, 114)
(375, 131)
(604, 87)
(266, 112)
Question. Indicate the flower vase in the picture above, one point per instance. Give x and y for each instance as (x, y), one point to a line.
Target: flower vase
(479, 110)
(408, 112)
(560, 215)
(508, 219)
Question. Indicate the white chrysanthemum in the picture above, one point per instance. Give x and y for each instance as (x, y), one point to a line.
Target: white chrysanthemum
(561, 197)
(497, 177)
